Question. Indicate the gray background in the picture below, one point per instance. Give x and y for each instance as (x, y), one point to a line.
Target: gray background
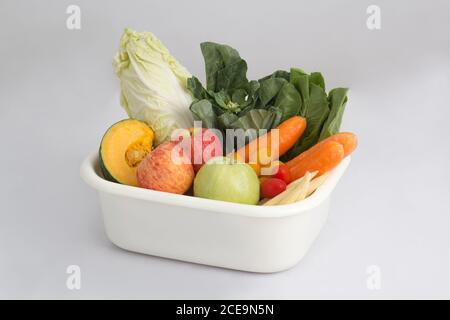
(58, 95)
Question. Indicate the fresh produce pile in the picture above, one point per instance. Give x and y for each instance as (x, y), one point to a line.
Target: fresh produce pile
(291, 127)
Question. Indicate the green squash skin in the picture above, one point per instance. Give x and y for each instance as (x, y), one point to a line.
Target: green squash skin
(108, 176)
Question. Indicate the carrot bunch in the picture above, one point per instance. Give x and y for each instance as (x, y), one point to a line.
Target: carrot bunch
(323, 156)
(312, 163)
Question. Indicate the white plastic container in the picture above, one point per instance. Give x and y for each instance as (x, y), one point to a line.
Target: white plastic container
(223, 234)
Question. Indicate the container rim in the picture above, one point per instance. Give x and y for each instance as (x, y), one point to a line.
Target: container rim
(89, 172)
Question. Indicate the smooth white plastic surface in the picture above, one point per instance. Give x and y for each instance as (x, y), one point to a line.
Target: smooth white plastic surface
(223, 234)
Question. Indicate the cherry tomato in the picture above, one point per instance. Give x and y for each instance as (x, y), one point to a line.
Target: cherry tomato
(283, 173)
(271, 187)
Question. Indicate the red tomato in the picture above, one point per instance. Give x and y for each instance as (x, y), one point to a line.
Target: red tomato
(271, 187)
(283, 173)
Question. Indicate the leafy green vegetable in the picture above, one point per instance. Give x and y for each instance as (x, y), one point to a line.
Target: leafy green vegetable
(234, 101)
(231, 101)
(317, 79)
(224, 67)
(337, 99)
(323, 112)
(203, 111)
(226, 119)
(224, 101)
(278, 74)
(153, 84)
(269, 89)
(255, 120)
(288, 101)
(316, 113)
(232, 76)
(195, 87)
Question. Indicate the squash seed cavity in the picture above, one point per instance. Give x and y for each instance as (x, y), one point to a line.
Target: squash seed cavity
(138, 150)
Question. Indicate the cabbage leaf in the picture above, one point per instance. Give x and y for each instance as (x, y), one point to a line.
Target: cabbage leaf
(153, 84)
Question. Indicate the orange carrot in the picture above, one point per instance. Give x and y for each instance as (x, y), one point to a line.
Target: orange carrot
(289, 132)
(346, 139)
(322, 158)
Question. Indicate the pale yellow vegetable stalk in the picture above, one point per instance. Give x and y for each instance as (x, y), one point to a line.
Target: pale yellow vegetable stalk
(279, 199)
(313, 185)
(299, 193)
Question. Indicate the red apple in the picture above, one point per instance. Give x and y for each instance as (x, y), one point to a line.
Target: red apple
(205, 145)
(167, 169)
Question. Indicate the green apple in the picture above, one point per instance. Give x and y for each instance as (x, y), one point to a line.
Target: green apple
(223, 179)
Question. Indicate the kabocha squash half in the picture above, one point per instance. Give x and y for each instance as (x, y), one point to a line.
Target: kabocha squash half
(124, 145)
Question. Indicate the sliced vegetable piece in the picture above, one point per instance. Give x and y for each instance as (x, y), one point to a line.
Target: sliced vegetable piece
(124, 145)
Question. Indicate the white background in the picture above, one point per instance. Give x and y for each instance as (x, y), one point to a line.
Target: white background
(58, 95)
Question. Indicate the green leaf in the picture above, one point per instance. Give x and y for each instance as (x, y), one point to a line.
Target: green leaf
(226, 119)
(269, 88)
(337, 99)
(196, 89)
(232, 76)
(241, 97)
(317, 79)
(317, 111)
(255, 119)
(300, 80)
(277, 74)
(203, 111)
(295, 75)
(278, 116)
(224, 67)
(246, 97)
(220, 99)
(288, 101)
(252, 89)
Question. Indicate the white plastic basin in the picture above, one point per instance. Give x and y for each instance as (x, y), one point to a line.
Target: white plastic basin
(222, 234)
